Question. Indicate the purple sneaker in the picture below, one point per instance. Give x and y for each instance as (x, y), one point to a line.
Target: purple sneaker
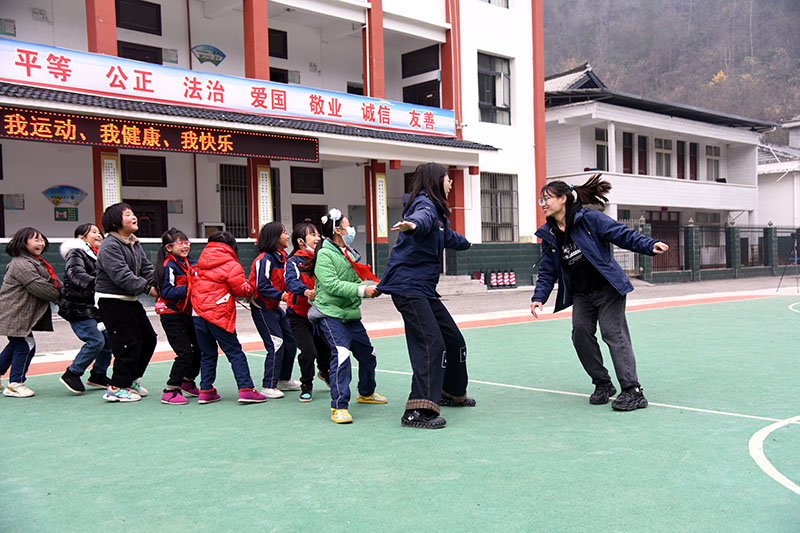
(173, 397)
(208, 396)
(190, 389)
(251, 396)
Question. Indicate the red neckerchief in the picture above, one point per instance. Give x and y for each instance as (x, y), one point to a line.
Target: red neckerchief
(363, 271)
(95, 250)
(52, 272)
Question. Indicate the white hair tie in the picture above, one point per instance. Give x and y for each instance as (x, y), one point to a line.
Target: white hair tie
(334, 214)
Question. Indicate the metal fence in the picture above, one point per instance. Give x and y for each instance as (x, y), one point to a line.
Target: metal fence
(712, 247)
(787, 246)
(674, 258)
(629, 261)
(752, 247)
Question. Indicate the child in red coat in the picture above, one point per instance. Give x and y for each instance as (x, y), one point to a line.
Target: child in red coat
(220, 280)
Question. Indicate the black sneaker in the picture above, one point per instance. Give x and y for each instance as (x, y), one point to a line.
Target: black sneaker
(449, 402)
(422, 418)
(602, 392)
(630, 400)
(72, 382)
(100, 381)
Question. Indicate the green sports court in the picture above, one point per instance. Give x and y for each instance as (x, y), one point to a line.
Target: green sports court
(722, 380)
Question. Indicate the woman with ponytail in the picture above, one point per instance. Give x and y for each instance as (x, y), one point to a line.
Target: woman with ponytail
(576, 252)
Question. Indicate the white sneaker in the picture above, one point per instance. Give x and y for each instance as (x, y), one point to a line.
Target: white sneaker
(272, 393)
(139, 389)
(17, 390)
(114, 394)
(289, 384)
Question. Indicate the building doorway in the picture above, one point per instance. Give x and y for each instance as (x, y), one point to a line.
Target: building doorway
(307, 213)
(152, 215)
(665, 227)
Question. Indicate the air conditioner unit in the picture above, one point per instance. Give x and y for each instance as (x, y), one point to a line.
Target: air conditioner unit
(207, 228)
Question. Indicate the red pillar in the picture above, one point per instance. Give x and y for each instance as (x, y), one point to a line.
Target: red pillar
(256, 39)
(540, 163)
(101, 26)
(451, 63)
(372, 48)
(456, 200)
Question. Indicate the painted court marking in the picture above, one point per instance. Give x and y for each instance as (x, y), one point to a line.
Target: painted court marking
(756, 446)
(791, 307)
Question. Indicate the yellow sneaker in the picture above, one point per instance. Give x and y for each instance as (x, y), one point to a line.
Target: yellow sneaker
(373, 398)
(341, 416)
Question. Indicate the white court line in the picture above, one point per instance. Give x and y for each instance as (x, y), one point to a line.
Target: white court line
(756, 446)
(791, 307)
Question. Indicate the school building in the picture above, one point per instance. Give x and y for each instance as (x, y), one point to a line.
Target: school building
(210, 114)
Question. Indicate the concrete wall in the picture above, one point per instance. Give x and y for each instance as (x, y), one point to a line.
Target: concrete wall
(65, 26)
(778, 200)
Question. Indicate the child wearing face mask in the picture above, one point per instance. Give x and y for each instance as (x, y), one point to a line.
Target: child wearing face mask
(266, 276)
(174, 273)
(30, 284)
(300, 286)
(77, 307)
(339, 287)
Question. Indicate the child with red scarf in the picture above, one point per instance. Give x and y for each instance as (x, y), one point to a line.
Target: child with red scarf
(30, 284)
(270, 320)
(300, 286)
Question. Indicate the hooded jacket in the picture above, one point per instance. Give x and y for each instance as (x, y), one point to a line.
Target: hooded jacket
(591, 232)
(415, 262)
(220, 280)
(80, 272)
(298, 281)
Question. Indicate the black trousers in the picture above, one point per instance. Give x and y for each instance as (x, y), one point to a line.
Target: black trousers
(605, 307)
(437, 351)
(179, 328)
(133, 339)
(312, 347)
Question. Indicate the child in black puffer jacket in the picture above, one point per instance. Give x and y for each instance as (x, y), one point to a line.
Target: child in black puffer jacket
(77, 307)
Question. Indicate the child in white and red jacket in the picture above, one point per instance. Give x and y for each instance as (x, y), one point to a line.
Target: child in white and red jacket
(266, 277)
(174, 272)
(300, 286)
(220, 281)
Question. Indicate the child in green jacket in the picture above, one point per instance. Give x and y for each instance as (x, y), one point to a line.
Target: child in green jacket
(339, 288)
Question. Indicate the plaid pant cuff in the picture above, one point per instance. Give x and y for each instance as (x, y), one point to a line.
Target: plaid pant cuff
(423, 404)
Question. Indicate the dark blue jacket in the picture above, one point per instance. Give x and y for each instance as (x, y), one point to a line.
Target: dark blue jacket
(176, 286)
(592, 231)
(415, 261)
(266, 276)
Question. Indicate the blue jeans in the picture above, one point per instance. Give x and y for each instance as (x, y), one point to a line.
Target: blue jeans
(208, 336)
(96, 348)
(279, 342)
(17, 354)
(345, 338)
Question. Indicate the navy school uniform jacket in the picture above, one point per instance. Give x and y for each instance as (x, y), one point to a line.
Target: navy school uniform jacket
(415, 261)
(267, 278)
(592, 231)
(176, 287)
(298, 281)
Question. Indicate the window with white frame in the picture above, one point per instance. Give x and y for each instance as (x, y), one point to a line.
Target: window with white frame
(501, 3)
(601, 148)
(712, 163)
(494, 89)
(499, 211)
(663, 149)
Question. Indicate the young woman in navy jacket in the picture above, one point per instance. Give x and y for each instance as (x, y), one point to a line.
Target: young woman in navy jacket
(576, 252)
(435, 345)
(174, 273)
(270, 320)
(300, 286)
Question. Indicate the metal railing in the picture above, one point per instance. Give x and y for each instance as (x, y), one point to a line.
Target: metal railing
(787, 246)
(752, 246)
(712, 247)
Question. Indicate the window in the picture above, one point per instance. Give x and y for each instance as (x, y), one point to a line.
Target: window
(139, 52)
(501, 3)
(663, 149)
(233, 199)
(278, 44)
(494, 89)
(420, 61)
(623, 214)
(139, 15)
(680, 159)
(693, 161)
(642, 154)
(601, 148)
(307, 180)
(712, 163)
(627, 153)
(425, 93)
(709, 237)
(143, 170)
(499, 216)
(355, 88)
(280, 75)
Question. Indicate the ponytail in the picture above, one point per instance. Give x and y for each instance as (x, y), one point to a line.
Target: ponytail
(593, 192)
